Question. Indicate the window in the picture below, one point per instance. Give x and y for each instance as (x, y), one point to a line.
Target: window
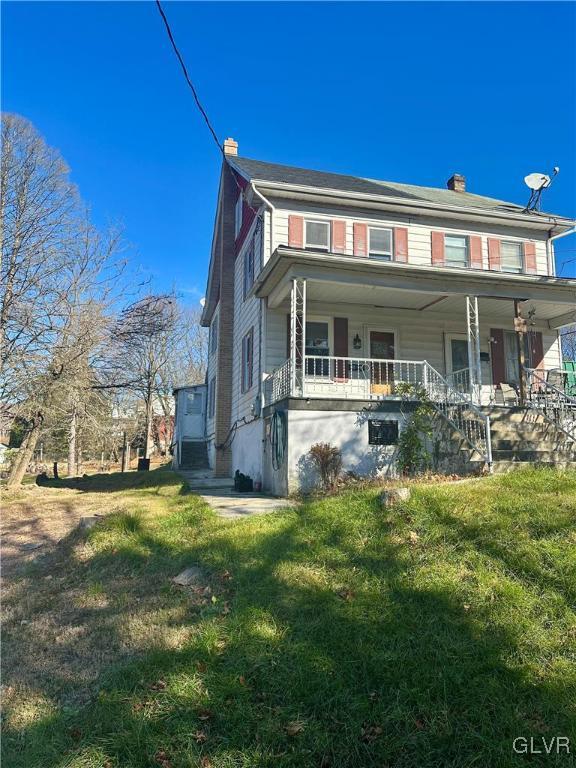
(247, 360)
(317, 345)
(512, 257)
(238, 215)
(380, 243)
(212, 397)
(317, 235)
(248, 268)
(382, 432)
(456, 250)
(214, 335)
(193, 403)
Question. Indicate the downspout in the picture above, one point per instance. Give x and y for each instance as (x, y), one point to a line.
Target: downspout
(550, 255)
(269, 205)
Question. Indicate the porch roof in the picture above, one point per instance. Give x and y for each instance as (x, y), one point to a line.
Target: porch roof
(345, 279)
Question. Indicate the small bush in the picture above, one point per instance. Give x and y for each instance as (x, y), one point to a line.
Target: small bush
(327, 459)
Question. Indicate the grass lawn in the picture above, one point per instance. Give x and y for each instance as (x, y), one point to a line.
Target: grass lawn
(332, 635)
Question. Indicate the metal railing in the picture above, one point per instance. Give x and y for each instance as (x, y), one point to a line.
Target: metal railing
(375, 379)
(552, 402)
(458, 409)
(459, 380)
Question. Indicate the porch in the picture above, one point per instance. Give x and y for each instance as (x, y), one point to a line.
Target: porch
(345, 329)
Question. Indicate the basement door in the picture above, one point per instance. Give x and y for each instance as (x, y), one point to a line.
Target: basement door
(382, 374)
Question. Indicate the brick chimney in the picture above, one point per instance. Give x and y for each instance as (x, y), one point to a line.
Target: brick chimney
(230, 147)
(457, 183)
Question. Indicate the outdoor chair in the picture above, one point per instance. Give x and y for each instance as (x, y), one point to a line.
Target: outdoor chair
(505, 394)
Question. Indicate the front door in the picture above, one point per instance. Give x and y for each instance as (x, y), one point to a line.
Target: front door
(382, 374)
(458, 364)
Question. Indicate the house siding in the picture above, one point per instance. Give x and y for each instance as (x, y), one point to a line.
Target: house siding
(419, 232)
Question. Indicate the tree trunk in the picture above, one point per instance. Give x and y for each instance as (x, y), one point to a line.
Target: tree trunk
(125, 455)
(25, 453)
(72, 468)
(148, 428)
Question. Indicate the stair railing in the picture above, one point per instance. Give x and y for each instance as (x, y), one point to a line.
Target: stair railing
(460, 412)
(556, 406)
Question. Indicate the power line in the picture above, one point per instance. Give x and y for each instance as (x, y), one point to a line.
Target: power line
(187, 76)
(204, 114)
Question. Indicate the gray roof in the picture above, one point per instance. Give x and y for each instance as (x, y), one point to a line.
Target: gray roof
(261, 171)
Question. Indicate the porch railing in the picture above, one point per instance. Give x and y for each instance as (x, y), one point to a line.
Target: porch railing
(552, 402)
(459, 380)
(375, 379)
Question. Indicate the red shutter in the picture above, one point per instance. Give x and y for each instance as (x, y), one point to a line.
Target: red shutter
(401, 244)
(497, 353)
(295, 231)
(530, 258)
(476, 252)
(536, 345)
(437, 249)
(340, 347)
(360, 239)
(338, 236)
(494, 259)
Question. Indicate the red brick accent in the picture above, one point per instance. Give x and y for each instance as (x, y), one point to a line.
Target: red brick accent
(530, 258)
(494, 258)
(339, 236)
(476, 252)
(437, 239)
(295, 231)
(401, 244)
(360, 239)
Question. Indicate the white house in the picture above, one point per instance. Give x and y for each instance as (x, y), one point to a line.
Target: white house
(327, 292)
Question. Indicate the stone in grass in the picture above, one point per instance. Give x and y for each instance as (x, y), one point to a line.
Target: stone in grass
(392, 496)
(89, 522)
(189, 577)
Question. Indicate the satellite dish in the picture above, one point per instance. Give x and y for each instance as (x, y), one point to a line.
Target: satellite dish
(537, 180)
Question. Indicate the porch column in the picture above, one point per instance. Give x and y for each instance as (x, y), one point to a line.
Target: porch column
(297, 336)
(473, 328)
(520, 326)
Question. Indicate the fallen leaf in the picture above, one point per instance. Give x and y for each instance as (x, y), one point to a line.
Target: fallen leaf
(345, 594)
(294, 728)
(226, 575)
(413, 537)
(162, 759)
(199, 737)
(201, 666)
(204, 714)
(76, 733)
(370, 733)
(159, 685)
(205, 762)
(373, 696)
(242, 680)
(419, 724)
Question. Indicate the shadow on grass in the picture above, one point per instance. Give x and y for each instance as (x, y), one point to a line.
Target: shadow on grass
(118, 481)
(318, 652)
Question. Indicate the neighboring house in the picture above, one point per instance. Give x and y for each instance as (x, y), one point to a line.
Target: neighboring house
(326, 292)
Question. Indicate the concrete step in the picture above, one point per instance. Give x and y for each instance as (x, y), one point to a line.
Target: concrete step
(199, 480)
(500, 467)
(531, 457)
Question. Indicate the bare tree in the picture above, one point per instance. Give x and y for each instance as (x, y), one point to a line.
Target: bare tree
(58, 274)
(568, 341)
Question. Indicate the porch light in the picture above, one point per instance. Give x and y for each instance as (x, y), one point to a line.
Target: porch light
(357, 342)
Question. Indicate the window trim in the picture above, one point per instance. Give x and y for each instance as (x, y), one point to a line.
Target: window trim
(520, 245)
(214, 330)
(328, 225)
(250, 249)
(382, 255)
(247, 367)
(212, 397)
(466, 238)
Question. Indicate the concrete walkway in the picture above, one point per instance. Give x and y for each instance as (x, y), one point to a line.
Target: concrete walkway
(219, 493)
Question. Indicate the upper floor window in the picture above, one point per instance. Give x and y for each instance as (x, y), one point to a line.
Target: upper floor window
(317, 235)
(214, 335)
(238, 215)
(247, 360)
(456, 251)
(512, 257)
(380, 243)
(248, 268)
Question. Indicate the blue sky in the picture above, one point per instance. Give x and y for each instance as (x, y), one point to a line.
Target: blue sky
(402, 91)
